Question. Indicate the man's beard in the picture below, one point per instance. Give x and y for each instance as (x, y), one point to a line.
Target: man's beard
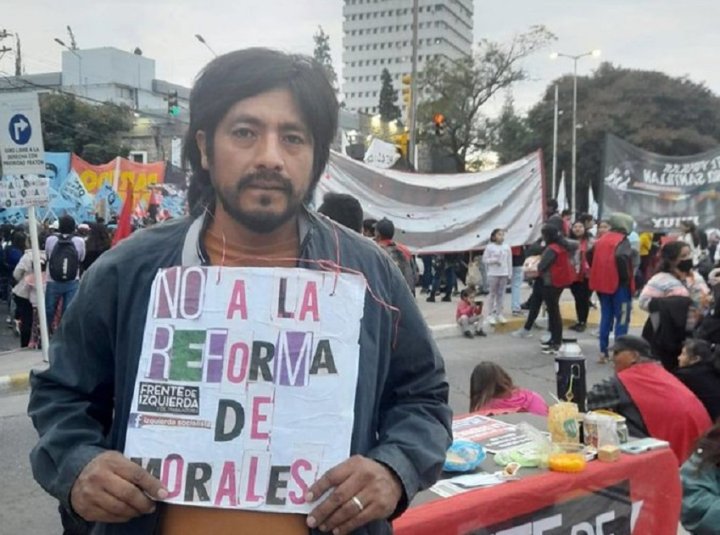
(261, 221)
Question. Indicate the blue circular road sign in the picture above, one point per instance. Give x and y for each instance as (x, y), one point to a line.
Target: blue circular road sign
(20, 129)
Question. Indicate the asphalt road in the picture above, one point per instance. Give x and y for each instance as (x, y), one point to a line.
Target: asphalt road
(25, 508)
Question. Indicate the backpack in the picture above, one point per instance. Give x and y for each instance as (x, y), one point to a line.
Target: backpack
(403, 263)
(64, 261)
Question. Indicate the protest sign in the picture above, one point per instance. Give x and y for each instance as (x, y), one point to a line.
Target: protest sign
(245, 389)
(661, 191)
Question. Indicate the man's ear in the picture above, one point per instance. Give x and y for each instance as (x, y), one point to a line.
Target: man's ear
(202, 146)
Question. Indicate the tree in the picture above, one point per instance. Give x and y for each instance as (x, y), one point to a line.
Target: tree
(459, 88)
(510, 136)
(322, 56)
(93, 132)
(389, 110)
(662, 114)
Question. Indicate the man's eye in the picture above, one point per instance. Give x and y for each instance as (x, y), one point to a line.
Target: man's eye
(243, 133)
(294, 139)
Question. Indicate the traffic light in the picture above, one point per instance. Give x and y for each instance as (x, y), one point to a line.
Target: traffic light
(439, 122)
(173, 105)
(407, 90)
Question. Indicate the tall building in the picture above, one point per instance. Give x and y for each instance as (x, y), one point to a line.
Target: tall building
(377, 35)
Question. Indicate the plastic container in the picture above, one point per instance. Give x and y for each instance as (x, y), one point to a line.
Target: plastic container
(570, 458)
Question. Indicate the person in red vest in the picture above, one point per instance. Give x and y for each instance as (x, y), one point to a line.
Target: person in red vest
(653, 401)
(558, 273)
(611, 276)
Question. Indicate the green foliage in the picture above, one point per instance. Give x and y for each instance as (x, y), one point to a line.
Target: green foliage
(321, 53)
(93, 132)
(670, 116)
(389, 110)
(459, 88)
(510, 136)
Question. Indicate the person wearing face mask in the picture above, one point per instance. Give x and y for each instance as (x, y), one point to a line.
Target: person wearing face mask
(676, 297)
(676, 277)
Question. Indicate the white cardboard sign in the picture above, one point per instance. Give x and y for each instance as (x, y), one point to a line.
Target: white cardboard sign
(245, 389)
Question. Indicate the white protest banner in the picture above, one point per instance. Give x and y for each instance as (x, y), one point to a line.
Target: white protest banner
(381, 154)
(21, 192)
(245, 389)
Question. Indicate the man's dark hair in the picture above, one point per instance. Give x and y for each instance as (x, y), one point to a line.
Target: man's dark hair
(66, 224)
(552, 205)
(368, 225)
(385, 229)
(343, 208)
(242, 74)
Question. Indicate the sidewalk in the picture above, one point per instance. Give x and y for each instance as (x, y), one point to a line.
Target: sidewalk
(440, 316)
(15, 367)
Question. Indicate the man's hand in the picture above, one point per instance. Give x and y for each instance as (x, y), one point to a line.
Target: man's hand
(363, 490)
(112, 488)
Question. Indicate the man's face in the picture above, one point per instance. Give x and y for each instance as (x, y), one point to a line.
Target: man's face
(624, 359)
(261, 162)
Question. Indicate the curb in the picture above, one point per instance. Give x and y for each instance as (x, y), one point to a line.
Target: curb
(16, 381)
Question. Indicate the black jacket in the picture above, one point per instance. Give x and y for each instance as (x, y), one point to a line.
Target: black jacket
(665, 328)
(704, 380)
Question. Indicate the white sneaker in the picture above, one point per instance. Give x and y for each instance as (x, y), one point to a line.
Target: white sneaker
(521, 333)
(501, 319)
(492, 320)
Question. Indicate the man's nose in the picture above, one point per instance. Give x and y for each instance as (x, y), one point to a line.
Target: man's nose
(270, 153)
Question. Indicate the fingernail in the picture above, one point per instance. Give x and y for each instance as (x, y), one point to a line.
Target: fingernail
(309, 497)
(311, 522)
(336, 531)
(162, 494)
(323, 528)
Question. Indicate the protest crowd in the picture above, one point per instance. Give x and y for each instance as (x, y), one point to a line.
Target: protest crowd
(665, 383)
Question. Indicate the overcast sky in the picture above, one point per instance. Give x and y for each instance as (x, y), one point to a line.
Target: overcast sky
(679, 38)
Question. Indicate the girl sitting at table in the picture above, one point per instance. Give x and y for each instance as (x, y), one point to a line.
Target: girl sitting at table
(492, 391)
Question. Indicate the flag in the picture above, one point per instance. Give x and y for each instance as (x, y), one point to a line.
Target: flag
(124, 228)
(562, 196)
(593, 208)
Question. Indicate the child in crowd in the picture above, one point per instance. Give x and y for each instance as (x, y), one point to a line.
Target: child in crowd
(699, 370)
(469, 316)
(700, 477)
(498, 260)
(492, 391)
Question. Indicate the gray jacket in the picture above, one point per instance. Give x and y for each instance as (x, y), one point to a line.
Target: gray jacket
(80, 405)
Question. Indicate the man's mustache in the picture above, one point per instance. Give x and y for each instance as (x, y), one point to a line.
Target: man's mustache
(265, 179)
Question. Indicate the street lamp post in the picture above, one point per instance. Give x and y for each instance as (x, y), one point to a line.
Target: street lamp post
(555, 140)
(204, 42)
(575, 59)
(79, 58)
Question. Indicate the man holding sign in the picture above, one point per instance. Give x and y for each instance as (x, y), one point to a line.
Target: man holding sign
(254, 367)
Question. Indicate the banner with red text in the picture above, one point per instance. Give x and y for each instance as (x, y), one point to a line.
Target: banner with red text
(245, 390)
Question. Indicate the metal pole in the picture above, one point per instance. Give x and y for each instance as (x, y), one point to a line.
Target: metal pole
(555, 144)
(39, 288)
(412, 156)
(574, 138)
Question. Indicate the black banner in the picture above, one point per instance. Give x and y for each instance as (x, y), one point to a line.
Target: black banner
(661, 191)
(605, 511)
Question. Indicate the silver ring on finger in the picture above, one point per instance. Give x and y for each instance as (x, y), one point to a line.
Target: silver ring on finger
(358, 503)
